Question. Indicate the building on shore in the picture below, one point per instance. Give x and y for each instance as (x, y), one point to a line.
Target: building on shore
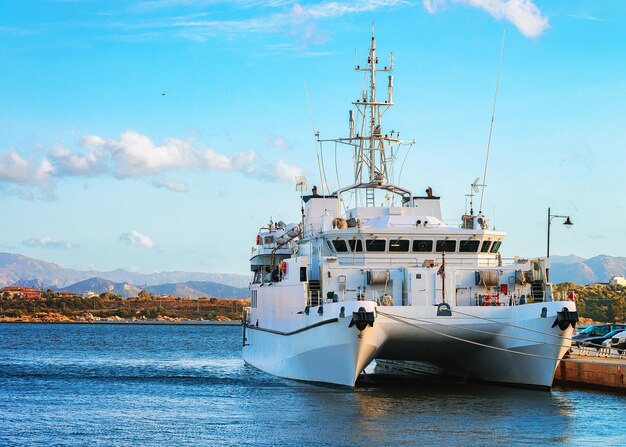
(26, 293)
(67, 295)
(617, 281)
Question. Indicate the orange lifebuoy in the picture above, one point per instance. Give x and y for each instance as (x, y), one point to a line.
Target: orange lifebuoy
(258, 239)
(283, 267)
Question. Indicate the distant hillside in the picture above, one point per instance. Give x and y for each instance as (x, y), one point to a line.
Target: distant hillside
(15, 268)
(191, 289)
(150, 279)
(99, 285)
(586, 271)
(197, 289)
(22, 270)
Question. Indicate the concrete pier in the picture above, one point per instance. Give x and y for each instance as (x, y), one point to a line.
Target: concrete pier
(591, 372)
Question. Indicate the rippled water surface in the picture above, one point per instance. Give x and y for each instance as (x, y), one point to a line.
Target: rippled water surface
(120, 385)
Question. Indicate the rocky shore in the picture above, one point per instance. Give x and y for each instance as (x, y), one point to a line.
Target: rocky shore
(54, 317)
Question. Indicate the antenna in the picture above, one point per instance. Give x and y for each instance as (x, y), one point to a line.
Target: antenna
(301, 185)
(493, 114)
(474, 188)
(317, 147)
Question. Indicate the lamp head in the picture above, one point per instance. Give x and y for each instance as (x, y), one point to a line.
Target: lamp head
(568, 223)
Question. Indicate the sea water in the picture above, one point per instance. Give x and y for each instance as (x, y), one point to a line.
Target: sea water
(137, 385)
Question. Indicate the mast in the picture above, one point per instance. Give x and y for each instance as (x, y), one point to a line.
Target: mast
(371, 145)
(374, 143)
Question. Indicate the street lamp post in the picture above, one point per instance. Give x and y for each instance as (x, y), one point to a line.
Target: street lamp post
(568, 223)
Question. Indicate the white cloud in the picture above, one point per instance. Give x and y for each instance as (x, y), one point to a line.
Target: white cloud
(162, 4)
(137, 238)
(172, 186)
(133, 155)
(280, 171)
(136, 155)
(93, 161)
(48, 242)
(276, 141)
(297, 19)
(524, 14)
(15, 169)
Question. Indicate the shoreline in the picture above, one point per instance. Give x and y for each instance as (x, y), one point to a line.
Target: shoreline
(136, 322)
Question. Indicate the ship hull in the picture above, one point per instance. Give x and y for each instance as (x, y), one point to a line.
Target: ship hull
(324, 349)
(509, 345)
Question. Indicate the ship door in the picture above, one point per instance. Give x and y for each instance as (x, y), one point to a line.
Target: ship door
(314, 263)
(418, 287)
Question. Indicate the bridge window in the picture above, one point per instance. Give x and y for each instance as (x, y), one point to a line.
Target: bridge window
(447, 245)
(486, 246)
(340, 246)
(468, 246)
(356, 245)
(495, 247)
(375, 244)
(398, 245)
(423, 246)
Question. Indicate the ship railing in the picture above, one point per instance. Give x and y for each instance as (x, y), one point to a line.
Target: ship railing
(602, 351)
(315, 298)
(406, 260)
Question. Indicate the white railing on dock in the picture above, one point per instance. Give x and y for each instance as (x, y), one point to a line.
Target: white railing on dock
(599, 351)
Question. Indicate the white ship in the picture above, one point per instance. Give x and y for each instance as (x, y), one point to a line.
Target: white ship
(391, 281)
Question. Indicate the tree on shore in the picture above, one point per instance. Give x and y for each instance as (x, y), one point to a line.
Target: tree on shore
(110, 296)
(144, 295)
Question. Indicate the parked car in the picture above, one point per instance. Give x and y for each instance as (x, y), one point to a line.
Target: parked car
(598, 341)
(596, 330)
(618, 341)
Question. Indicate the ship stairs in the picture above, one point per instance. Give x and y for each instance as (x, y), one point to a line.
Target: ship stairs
(538, 292)
(315, 291)
(369, 197)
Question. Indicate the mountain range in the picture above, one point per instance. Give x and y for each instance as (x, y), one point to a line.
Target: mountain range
(16, 269)
(578, 270)
(191, 289)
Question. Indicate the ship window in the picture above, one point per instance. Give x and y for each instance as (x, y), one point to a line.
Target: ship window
(356, 245)
(375, 244)
(269, 239)
(446, 245)
(496, 247)
(423, 246)
(330, 245)
(340, 246)
(468, 246)
(486, 246)
(398, 245)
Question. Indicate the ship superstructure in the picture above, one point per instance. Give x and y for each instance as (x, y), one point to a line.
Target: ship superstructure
(387, 279)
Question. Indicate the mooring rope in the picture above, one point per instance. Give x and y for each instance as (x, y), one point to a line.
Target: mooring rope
(475, 330)
(510, 324)
(464, 340)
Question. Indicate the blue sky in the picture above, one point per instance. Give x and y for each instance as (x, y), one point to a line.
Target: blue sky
(159, 135)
